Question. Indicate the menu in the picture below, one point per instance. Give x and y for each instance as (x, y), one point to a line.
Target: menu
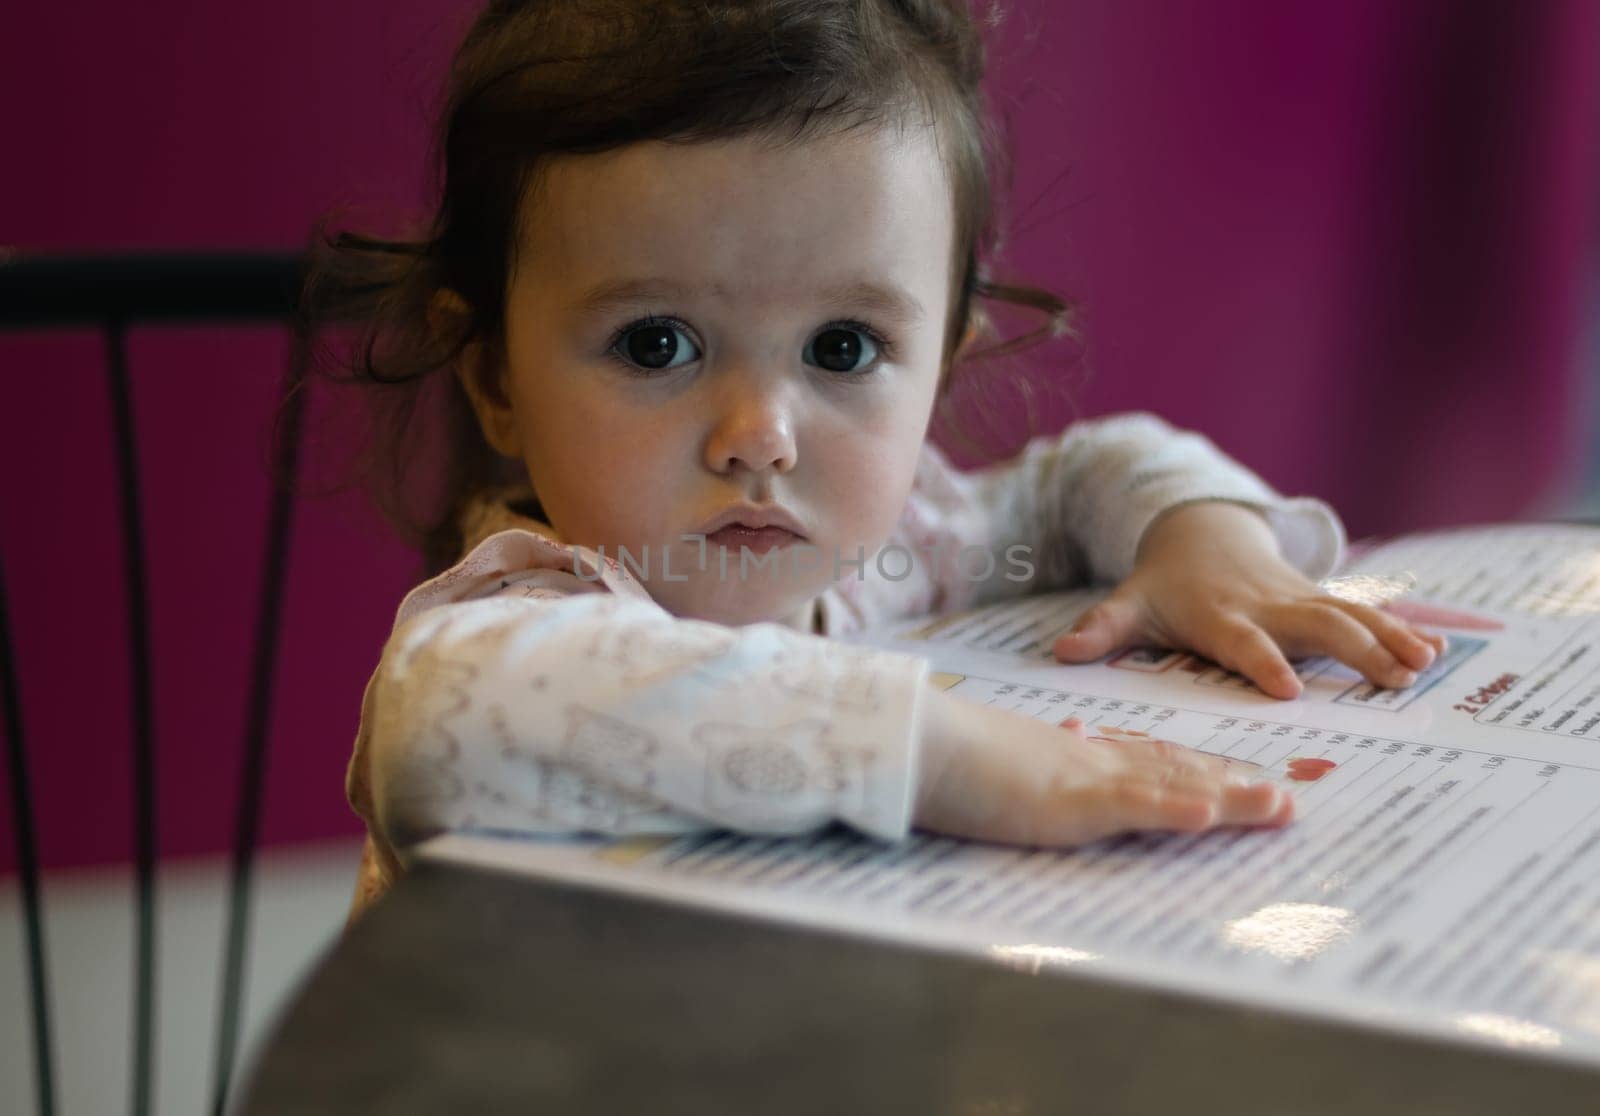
(1442, 875)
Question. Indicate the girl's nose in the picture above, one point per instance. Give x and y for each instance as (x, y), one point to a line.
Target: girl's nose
(755, 430)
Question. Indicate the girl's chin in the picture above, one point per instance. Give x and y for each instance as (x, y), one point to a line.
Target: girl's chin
(736, 605)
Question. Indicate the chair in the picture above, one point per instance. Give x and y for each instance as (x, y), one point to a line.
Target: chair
(112, 294)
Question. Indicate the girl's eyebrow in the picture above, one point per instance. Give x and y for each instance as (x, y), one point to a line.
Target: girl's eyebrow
(889, 300)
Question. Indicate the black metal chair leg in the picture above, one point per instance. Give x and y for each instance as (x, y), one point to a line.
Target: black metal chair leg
(28, 865)
(143, 743)
(285, 457)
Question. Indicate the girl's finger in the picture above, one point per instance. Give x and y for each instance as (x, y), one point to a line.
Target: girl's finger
(1112, 624)
(1326, 629)
(1136, 803)
(1408, 645)
(1255, 804)
(1202, 782)
(1238, 800)
(1190, 806)
(1159, 760)
(1244, 648)
(1153, 795)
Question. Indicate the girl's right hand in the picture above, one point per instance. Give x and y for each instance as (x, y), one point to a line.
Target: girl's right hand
(994, 775)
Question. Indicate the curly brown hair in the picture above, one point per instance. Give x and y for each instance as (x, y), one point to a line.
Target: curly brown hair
(535, 79)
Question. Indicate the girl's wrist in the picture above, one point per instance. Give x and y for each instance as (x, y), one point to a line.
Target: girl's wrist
(939, 742)
(1208, 523)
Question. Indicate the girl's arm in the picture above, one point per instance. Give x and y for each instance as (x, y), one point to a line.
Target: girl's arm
(1081, 503)
(552, 709)
(1205, 555)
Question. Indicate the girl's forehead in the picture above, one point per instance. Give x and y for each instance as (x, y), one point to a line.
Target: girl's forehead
(868, 201)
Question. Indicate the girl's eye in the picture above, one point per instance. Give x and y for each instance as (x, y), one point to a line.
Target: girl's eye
(656, 346)
(842, 349)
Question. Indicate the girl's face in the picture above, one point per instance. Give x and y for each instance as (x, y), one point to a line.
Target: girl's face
(695, 327)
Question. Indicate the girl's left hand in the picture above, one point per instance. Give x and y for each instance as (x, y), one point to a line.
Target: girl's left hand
(1209, 579)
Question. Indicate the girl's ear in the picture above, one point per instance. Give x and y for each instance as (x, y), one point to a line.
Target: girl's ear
(979, 325)
(483, 384)
(967, 339)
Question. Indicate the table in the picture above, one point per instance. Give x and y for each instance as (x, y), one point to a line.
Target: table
(468, 991)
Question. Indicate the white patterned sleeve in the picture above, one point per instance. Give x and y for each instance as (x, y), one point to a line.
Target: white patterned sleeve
(543, 711)
(1081, 501)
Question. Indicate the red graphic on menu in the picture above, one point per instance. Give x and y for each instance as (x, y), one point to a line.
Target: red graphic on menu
(1306, 769)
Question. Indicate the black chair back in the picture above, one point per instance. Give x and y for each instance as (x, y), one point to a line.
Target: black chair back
(113, 294)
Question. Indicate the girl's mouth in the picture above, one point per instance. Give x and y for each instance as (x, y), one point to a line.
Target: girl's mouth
(758, 540)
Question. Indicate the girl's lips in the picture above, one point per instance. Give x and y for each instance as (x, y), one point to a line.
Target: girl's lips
(758, 540)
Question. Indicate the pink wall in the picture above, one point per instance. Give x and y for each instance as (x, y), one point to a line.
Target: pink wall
(211, 126)
(1349, 242)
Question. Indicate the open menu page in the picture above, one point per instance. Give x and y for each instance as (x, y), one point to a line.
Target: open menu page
(1442, 875)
